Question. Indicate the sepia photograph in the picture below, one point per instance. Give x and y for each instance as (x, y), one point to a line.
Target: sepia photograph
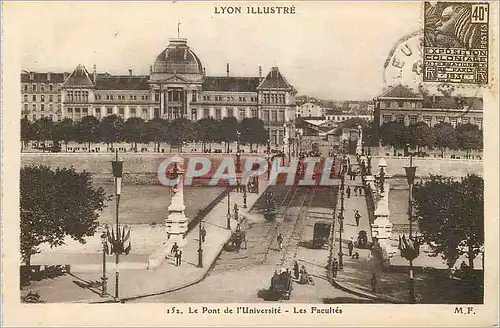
(279, 162)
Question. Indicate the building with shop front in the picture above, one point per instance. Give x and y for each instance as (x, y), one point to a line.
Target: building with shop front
(177, 86)
(401, 105)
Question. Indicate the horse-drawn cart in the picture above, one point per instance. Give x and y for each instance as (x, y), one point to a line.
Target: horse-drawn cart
(281, 286)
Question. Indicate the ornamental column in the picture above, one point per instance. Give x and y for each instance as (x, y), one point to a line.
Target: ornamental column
(176, 222)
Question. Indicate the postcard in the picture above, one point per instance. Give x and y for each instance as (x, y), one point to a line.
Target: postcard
(320, 163)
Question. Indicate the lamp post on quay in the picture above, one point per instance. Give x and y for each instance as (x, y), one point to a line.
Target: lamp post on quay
(228, 215)
(200, 245)
(119, 239)
(410, 249)
(341, 219)
(369, 160)
(238, 170)
(105, 250)
(268, 158)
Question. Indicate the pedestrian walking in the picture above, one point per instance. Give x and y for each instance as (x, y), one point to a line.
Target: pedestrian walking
(348, 191)
(296, 270)
(203, 234)
(355, 190)
(350, 247)
(357, 217)
(174, 249)
(178, 257)
(360, 190)
(280, 242)
(335, 268)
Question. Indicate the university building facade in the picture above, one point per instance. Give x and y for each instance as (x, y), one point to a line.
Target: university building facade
(176, 87)
(404, 106)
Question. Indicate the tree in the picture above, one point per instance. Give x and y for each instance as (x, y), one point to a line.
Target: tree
(134, 131)
(156, 131)
(207, 131)
(87, 130)
(27, 132)
(65, 131)
(445, 137)
(394, 134)
(44, 129)
(450, 216)
(420, 135)
(55, 204)
(229, 127)
(253, 131)
(179, 131)
(469, 138)
(110, 129)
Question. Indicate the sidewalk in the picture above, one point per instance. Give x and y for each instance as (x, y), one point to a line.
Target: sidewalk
(356, 275)
(167, 277)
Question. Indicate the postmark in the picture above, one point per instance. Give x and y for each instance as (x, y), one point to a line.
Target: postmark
(456, 42)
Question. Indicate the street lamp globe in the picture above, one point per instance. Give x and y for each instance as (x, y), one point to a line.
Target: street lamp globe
(382, 163)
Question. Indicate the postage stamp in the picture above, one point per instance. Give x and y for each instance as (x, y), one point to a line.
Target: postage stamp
(456, 41)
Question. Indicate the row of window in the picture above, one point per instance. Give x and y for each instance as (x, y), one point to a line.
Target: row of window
(229, 98)
(454, 121)
(273, 98)
(276, 136)
(42, 87)
(400, 104)
(43, 98)
(77, 96)
(35, 107)
(120, 97)
(229, 113)
(50, 117)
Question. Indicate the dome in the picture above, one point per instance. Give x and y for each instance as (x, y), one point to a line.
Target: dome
(177, 58)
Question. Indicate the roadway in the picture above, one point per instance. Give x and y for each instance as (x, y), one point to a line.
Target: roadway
(245, 275)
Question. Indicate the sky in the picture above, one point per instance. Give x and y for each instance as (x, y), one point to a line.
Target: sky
(331, 50)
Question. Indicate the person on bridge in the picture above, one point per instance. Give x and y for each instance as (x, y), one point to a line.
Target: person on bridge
(174, 249)
(178, 257)
(296, 270)
(357, 217)
(280, 241)
(350, 247)
(335, 268)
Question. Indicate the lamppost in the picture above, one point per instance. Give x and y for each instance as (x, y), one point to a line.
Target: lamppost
(410, 251)
(341, 219)
(105, 250)
(228, 215)
(268, 158)
(200, 246)
(369, 160)
(119, 239)
(238, 170)
(382, 164)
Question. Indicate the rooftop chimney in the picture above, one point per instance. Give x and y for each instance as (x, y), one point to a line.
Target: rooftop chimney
(260, 72)
(204, 71)
(32, 75)
(227, 69)
(94, 74)
(48, 76)
(130, 72)
(151, 69)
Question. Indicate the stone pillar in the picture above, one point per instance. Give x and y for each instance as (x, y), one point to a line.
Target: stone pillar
(176, 221)
(359, 145)
(382, 226)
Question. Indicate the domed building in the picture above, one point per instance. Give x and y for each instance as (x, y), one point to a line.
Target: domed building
(177, 86)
